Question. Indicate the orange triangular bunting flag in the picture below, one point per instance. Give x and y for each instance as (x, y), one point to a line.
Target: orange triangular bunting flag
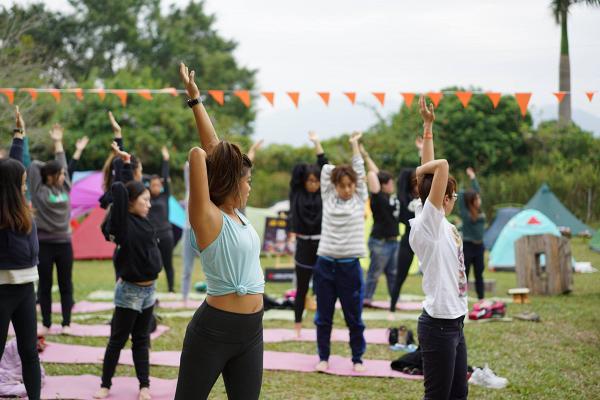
(170, 90)
(32, 92)
(351, 96)
(408, 98)
(523, 101)
(244, 96)
(325, 97)
(55, 93)
(435, 97)
(101, 93)
(295, 96)
(10, 95)
(464, 98)
(121, 94)
(270, 96)
(380, 96)
(590, 95)
(533, 221)
(146, 94)
(218, 95)
(494, 97)
(78, 93)
(560, 96)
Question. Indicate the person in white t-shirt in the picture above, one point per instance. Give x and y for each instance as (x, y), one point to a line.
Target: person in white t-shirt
(438, 245)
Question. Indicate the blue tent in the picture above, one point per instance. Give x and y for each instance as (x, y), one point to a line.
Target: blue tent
(527, 222)
(176, 213)
(503, 215)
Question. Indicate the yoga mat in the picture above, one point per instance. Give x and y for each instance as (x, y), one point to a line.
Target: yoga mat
(91, 330)
(85, 307)
(273, 360)
(401, 305)
(372, 336)
(110, 294)
(83, 387)
(374, 315)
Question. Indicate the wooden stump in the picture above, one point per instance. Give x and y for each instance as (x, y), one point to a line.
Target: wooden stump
(555, 277)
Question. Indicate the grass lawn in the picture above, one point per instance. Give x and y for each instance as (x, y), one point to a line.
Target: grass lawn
(557, 358)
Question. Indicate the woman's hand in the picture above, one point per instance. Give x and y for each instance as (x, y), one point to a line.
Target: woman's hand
(126, 157)
(187, 78)
(471, 173)
(114, 124)
(355, 137)
(81, 143)
(19, 123)
(165, 153)
(427, 113)
(56, 133)
(312, 136)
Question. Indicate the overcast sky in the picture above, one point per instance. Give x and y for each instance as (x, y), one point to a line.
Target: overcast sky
(393, 46)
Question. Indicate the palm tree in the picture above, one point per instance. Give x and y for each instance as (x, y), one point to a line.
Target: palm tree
(560, 8)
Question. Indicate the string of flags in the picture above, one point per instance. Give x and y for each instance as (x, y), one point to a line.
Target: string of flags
(245, 96)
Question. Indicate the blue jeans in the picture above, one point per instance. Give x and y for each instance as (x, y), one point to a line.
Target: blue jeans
(189, 255)
(134, 297)
(343, 279)
(384, 258)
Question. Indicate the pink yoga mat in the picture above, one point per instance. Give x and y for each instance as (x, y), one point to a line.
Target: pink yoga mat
(373, 336)
(400, 306)
(83, 388)
(90, 330)
(273, 360)
(82, 307)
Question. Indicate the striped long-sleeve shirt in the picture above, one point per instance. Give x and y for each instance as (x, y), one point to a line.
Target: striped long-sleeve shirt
(343, 225)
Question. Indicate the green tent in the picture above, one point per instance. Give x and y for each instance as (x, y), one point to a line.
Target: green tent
(546, 202)
(595, 242)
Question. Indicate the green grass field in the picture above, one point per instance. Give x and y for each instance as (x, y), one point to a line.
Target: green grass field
(557, 358)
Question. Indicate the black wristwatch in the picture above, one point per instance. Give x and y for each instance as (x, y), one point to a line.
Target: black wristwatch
(192, 102)
(18, 130)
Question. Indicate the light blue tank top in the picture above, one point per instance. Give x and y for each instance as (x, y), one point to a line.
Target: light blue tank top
(231, 262)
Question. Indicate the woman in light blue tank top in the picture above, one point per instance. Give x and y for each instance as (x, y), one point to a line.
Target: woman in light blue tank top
(225, 336)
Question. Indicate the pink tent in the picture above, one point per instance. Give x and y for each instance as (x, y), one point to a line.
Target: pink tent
(85, 192)
(88, 241)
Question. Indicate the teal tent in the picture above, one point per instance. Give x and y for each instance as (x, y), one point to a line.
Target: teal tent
(546, 202)
(176, 213)
(595, 242)
(527, 222)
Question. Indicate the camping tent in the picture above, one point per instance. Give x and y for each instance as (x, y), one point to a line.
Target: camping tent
(546, 202)
(527, 222)
(595, 242)
(503, 215)
(88, 241)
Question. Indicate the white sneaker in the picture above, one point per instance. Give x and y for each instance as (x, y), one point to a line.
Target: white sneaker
(144, 394)
(102, 393)
(359, 367)
(485, 377)
(66, 330)
(322, 366)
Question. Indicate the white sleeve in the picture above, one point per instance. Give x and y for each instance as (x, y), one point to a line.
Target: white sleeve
(430, 222)
(326, 185)
(358, 165)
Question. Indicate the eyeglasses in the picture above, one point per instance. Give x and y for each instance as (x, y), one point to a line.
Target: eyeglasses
(454, 196)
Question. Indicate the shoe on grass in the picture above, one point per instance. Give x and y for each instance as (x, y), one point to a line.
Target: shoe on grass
(102, 393)
(485, 377)
(322, 366)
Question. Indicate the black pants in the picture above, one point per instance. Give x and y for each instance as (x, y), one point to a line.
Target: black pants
(60, 254)
(405, 259)
(303, 276)
(17, 304)
(165, 245)
(474, 256)
(127, 322)
(444, 352)
(216, 342)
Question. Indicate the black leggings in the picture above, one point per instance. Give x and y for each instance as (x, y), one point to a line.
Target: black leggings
(303, 276)
(60, 254)
(165, 245)
(405, 259)
(216, 342)
(17, 304)
(127, 322)
(474, 256)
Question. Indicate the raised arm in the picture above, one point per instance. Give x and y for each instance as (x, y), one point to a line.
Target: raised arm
(205, 217)
(474, 183)
(372, 180)
(165, 171)
(56, 134)
(428, 116)
(122, 165)
(439, 169)
(321, 157)
(206, 130)
(79, 147)
(120, 199)
(116, 131)
(358, 165)
(254, 148)
(17, 148)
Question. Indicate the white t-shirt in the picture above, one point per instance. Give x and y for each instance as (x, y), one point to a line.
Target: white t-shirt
(438, 245)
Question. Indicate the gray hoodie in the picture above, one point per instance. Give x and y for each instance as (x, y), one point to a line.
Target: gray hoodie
(51, 205)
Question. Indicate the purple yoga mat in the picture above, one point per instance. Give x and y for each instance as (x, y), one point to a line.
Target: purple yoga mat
(372, 336)
(273, 360)
(82, 307)
(90, 330)
(384, 305)
(83, 387)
